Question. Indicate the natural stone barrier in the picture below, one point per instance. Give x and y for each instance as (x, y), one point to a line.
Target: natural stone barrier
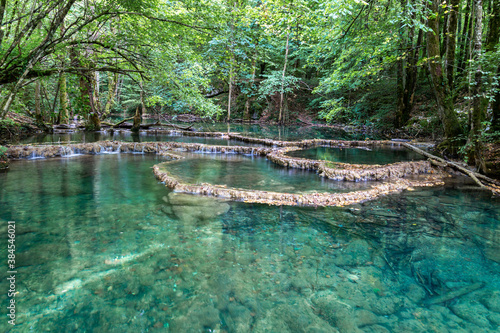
(106, 147)
(315, 142)
(221, 135)
(350, 172)
(332, 170)
(291, 199)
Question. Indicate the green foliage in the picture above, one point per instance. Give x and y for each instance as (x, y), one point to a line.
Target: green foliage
(275, 83)
(6, 123)
(344, 59)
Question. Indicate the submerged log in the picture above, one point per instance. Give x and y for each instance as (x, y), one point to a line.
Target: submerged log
(456, 293)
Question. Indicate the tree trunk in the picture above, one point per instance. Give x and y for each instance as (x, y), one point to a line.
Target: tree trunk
(96, 89)
(38, 104)
(246, 114)
(230, 93)
(464, 38)
(112, 85)
(443, 29)
(412, 76)
(451, 35)
(491, 41)
(402, 107)
(3, 4)
(63, 92)
(139, 111)
(63, 100)
(86, 83)
(442, 92)
(118, 91)
(280, 118)
(137, 119)
(478, 111)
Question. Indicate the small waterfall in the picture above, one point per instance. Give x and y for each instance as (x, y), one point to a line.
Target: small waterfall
(108, 150)
(34, 155)
(135, 151)
(65, 151)
(70, 152)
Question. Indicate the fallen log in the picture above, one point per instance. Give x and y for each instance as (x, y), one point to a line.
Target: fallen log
(118, 123)
(182, 128)
(474, 175)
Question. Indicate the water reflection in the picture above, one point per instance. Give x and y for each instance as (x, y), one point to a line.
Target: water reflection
(293, 133)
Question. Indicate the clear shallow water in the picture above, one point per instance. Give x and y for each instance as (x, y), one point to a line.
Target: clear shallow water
(358, 155)
(255, 173)
(103, 247)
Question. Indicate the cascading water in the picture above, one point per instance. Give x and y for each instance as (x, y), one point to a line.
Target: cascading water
(135, 151)
(34, 155)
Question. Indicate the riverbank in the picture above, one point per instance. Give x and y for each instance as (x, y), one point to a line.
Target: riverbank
(16, 127)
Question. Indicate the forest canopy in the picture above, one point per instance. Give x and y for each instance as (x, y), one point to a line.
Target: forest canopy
(424, 66)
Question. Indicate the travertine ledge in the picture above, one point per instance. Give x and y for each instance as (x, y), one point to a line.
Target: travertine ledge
(422, 172)
(292, 199)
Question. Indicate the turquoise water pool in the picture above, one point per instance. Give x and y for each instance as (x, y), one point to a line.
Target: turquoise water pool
(103, 247)
(362, 155)
(254, 173)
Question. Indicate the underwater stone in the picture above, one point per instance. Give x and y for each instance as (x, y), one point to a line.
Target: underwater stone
(338, 313)
(492, 301)
(415, 293)
(375, 329)
(358, 250)
(412, 325)
(472, 311)
(386, 305)
(239, 318)
(198, 317)
(365, 317)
